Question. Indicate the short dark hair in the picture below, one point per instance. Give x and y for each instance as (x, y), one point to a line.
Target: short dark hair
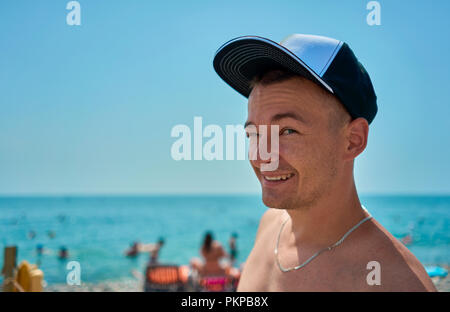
(272, 76)
(340, 113)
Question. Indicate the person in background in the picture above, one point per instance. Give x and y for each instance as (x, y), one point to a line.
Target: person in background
(212, 252)
(63, 253)
(233, 248)
(39, 249)
(133, 251)
(137, 248)
(154, 250)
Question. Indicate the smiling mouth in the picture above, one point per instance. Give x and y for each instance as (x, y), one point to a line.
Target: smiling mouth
(281, 177)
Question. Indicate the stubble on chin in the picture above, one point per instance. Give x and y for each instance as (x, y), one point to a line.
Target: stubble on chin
(301, 200)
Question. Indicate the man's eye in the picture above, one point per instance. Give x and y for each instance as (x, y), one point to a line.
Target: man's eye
(252, 135)
(288, 131)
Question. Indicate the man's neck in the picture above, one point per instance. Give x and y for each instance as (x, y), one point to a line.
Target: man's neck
(323, 223)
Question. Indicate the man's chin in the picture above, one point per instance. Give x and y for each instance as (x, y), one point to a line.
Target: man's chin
(274, 201)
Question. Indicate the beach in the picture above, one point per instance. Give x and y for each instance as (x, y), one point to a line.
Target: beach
(129, 285)
(96, 231)
(135, 285)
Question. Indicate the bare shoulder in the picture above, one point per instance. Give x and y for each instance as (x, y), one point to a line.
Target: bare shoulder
(400, 269)
(270, 218)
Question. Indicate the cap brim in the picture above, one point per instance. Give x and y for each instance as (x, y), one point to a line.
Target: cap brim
(239, 60)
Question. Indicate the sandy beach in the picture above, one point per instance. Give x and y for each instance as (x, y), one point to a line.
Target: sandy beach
(130, 285)
(134, 285)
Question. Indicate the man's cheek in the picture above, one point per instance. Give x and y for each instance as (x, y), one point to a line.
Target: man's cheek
(293, 152)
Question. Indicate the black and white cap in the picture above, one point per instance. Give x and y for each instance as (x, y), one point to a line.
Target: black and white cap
(326, 61)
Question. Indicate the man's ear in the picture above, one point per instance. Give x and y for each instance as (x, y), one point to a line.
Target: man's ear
(356, 138)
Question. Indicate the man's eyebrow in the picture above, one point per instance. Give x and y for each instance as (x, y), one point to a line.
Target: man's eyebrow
(292, 115)
(281, 116)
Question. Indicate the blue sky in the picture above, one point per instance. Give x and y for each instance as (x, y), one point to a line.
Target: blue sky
(89, 109)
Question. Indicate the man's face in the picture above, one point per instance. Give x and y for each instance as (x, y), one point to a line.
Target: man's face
(310, 142)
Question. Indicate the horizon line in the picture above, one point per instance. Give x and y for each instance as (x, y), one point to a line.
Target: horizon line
(193, 194)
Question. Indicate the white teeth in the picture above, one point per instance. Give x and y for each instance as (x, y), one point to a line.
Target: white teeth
(281, 177)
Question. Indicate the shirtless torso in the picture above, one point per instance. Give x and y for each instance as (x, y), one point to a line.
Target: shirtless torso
(341, 269)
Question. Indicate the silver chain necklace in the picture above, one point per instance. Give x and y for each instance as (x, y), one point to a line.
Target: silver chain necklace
(317, 253)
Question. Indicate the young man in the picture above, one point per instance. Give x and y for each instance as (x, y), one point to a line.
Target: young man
(316, 236)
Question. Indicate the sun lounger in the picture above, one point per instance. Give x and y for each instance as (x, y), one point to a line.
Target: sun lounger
(159, 277)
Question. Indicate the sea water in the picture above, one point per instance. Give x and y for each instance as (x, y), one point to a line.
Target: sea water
(97, 230)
